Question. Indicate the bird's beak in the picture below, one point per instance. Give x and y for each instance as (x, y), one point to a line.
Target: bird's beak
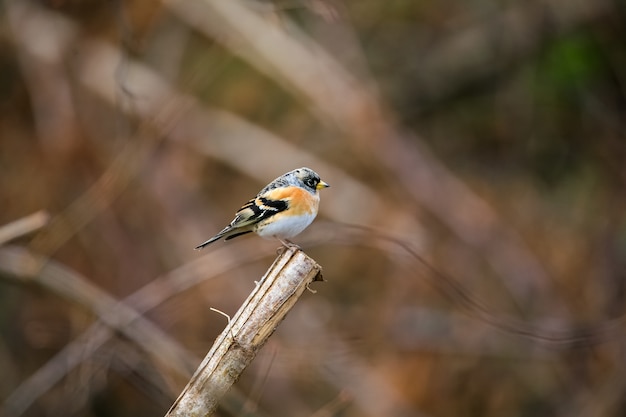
(321, 185)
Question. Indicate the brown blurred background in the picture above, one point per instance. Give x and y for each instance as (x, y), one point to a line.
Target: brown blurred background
(485, 137)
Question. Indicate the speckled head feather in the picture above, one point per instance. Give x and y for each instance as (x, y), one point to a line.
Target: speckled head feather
(301, 177)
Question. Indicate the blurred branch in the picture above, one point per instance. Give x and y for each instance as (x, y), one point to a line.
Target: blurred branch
(24, 266)
(558, 332)
(180, 117)
(33, 24)
(212, 132)
(15, 261)
(23, 226)
(292, 60)
(20, 264)
(41, 44)
(237, 346)
(225, 136)
(297, 62)
(495, 43)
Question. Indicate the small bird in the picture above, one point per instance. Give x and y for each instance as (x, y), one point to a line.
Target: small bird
(281, 210)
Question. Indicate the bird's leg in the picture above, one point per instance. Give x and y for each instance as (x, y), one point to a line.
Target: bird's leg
(287, 243)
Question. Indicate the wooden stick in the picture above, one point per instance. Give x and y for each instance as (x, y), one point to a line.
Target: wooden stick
(268, 304)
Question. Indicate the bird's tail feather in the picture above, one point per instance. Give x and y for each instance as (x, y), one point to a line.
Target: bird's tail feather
(237, 234)
(217, 237)
(208, 242)
(228, 233)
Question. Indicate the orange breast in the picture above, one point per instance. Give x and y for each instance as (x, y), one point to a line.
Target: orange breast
(300, 201)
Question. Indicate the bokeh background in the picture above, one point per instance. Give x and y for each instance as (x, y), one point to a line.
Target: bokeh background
(473, 240)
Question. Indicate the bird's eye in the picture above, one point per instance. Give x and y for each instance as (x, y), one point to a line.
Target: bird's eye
(311, 182)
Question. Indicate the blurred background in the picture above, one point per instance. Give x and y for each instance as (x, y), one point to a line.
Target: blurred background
(473, 240)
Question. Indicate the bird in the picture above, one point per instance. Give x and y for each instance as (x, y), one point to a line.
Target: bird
(281, 210)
